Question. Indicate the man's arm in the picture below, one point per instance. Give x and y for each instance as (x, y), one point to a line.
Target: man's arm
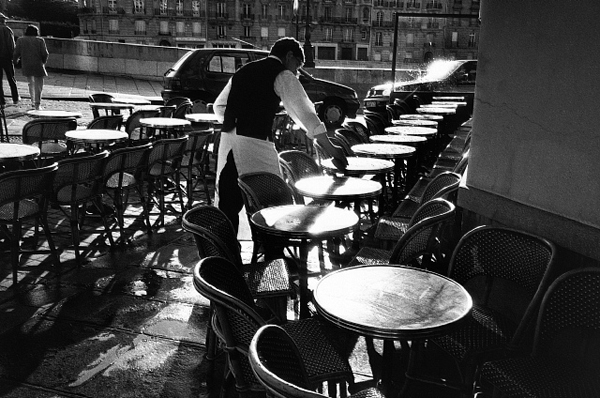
(221, 102)
(297, 104)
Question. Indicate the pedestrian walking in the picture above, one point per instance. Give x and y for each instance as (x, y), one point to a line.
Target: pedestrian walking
(7, 47)
(31, 50)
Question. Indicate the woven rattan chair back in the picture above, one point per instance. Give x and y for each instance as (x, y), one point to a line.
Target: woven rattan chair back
(101, 97)
(125, 171)
(263, 189)
(24, 195)
(49, 136)
(423, 239)
(350, 136)
(78, 181)
(277, 364)
(176, 101)
(360, 129)
(195, 163)
(111, 122)
(237, 320)
(441, 185)
(341, 141)
(296, 165)
(183, 109)
(213, 233)
(134, 128)
(490, 254)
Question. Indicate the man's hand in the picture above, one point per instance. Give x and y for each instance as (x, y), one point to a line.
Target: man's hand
(338, 157)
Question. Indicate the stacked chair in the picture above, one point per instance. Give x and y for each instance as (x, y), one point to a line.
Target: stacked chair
(237, 319)
(111, 122)
(194, 166)
(49, 136)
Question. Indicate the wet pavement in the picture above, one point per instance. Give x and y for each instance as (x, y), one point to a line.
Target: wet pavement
(126, 323)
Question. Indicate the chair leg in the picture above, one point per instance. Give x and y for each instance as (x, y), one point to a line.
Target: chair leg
(75, 231)
(15, 250)
(98, 204)
(46, 228)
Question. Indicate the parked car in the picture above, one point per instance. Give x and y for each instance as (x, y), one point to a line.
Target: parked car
(201, 75)
(443, 77)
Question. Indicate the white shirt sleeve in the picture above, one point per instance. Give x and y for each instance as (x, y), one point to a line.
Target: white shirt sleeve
(297, 104)
(221, 102)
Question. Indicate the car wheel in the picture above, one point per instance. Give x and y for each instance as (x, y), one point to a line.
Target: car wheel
(332, 114)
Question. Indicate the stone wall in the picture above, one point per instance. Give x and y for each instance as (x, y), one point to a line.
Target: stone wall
(150, 63)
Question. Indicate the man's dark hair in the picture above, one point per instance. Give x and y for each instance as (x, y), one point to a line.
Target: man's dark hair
(32, 30)
(285, 44)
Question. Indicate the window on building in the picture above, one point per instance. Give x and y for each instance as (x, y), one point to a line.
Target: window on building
(138, 6)
(380, 18)
(366, 15)
(362, 54)
(264, 10)
(179, 7)
(221, 10)
(281, 32)
(328, 34)
(349, 14)
(162, 7)
(113, 26)
(378, 38)
(326, 53)
(180, 27)
(472, 40)
(112, 5)
(408, 56)
(410, 39)
(246, 10)
(197, 29)
(364, 35)
(247, 31)
(327, 13)
(221, 31)
(140, 27)
(93, 28)
(195, 8)
(454, 39)
(164, 27)
(281, 11)
(348, 34)
(264, 32)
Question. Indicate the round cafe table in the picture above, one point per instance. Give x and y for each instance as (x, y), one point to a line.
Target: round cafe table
(359, 166)
(418, 116)
(448, 98)
(394, 152)
(411, 130)
(202, 117)
(416, 123)
(449, 103)
(49, 113)
(133, 100)
(95, 140)
(14, 156)
(437, 111)
(442, 105)
(391, 302)
(165, 127)
(413, 140)
(306, 223)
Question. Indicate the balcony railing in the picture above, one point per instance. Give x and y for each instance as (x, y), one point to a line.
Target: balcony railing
(433, 6)
(247, 16)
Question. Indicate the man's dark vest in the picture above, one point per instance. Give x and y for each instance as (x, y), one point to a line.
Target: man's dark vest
(252, 102)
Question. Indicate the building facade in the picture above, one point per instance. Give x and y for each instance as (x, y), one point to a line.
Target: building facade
(339, 30)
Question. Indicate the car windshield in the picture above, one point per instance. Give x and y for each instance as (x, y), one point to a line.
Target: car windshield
(439, 70)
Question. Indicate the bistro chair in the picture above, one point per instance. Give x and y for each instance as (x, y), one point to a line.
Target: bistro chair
(506, 272)
(260, 190)
(422, 245)
(267, 281)
(350, 135)
(124, 173)
(296, 165)
(78, 182)
(134, 128)
(278, 365)
(195, 164)
(342, 142)
(49, 136)
(360, 129)
(176, 101)
(390, 228)
(564, 361)
(110, 122)
(237, 318)
(164, 175)
(24, 196)
(101, 97)
(183, 109)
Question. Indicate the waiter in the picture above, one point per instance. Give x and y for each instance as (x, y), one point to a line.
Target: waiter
(247, 106)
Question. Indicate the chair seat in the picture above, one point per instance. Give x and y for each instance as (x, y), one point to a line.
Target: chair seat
(113, 181)
(82, 193)
(406, 209)
(483, 331)
(391, 228)
(27, 208)
(528, 377)
(53, 147)
(268, 279)
(322, 361)
(157, 170)
(371, 256)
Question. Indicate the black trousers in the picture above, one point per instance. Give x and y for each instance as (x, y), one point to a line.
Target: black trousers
(230, 195)
(6, 66)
